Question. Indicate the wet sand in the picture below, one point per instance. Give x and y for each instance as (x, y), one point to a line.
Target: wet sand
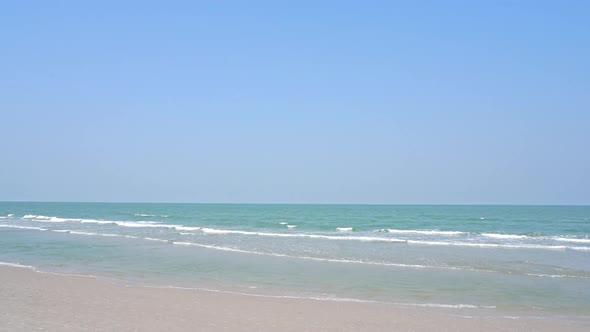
(31, 300)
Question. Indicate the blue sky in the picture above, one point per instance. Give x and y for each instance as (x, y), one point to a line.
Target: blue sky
(439, 102)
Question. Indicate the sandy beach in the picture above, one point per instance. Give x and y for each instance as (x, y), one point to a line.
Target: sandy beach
(295, 166)
(33, 300)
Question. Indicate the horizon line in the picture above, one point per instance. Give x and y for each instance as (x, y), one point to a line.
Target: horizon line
(279, 203)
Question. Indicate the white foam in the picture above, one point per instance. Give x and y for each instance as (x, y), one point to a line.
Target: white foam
(424, 232)
(439, 305)
(110, 235)
(283, 223)
(580, 248)
(187, 228)
(344, 229)
(131, 224)
(503, 236)
(304, 235)
(154, 239)
(332, 260)
(149, 215)
(495, 245)
(83, 233)
(142, 224)
(134, 224)
(567, 239)
(147, 224)
(59, 219)
(291, 226)
(315, 298)
(556, 276)
(56, 219)
(94, 221)
(95, 234)
(10, 215)
(329, 298)
(24, 227)
(17, 265)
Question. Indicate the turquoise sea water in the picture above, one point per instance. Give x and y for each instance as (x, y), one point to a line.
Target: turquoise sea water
(494, 257)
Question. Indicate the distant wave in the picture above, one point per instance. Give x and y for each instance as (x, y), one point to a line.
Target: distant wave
(496, 245)
(425, 232)
(94, 221)
(504, 236)
(31, 216)
(94, 234)
(302, 235)
(553, 243)
(48, 218)
(134, 224)
(143, 224)
(150, 215)
(564, 239)
(396, 240)
(152, 224)
(23, 227)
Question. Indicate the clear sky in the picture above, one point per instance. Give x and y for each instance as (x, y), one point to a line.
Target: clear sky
(301, 102)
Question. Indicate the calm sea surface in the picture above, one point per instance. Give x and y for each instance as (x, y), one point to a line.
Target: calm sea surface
(491, 257)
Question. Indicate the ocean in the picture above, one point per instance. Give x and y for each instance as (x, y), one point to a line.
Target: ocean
(486, 258)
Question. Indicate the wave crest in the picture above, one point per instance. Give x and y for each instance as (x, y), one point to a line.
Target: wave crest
(423, 232)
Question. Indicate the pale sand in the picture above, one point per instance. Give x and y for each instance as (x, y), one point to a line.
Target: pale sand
(31, 300)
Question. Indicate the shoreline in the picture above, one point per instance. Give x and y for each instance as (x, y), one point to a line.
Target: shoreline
(32, 299)
(240, 290)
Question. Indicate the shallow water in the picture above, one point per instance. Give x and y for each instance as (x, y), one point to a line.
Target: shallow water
(505, 257)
